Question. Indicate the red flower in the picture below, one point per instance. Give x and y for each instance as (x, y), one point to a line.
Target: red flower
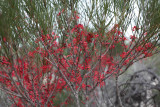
(77, 17)
(145, 33)
(96, 35)
(132, 37)
(147, 54)
(89, 37)
(4, 39)
(112, 47)
(135, 28)
(126, 62)
(123, 55)
(139, 49)
(119, 33)
(60, 12)
(80, 26)
(148, 45)
(123, 38)
(83, 85)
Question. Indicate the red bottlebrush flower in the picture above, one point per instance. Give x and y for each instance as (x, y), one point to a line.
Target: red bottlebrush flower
(13, 74)
(80, 26)
(74, 41)
(132, 37)
(147, 54)
(26, 77)
(48, 37)
(31, 54)
(96, 36)
(89, 37)
(43, 37)
(60, 12)
(55, 37)
(135, 28)
(4, 39)
(85, 44)
(145, 33)
(123, 55)
(53, 33)
(119, 33)
(96, 74)
(83, 85)
(102, 84)
(112, 47)
(123, 38)
(126, 62)
(102, 77)
(4, 61)
(73, 30)
(77, 17)
(148, 45)
(139, 49)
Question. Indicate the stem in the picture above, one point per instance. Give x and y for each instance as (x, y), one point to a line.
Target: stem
(87, 102)
(77, 100)
(119, 102)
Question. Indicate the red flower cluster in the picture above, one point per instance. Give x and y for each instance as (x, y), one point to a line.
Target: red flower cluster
(78, 65)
